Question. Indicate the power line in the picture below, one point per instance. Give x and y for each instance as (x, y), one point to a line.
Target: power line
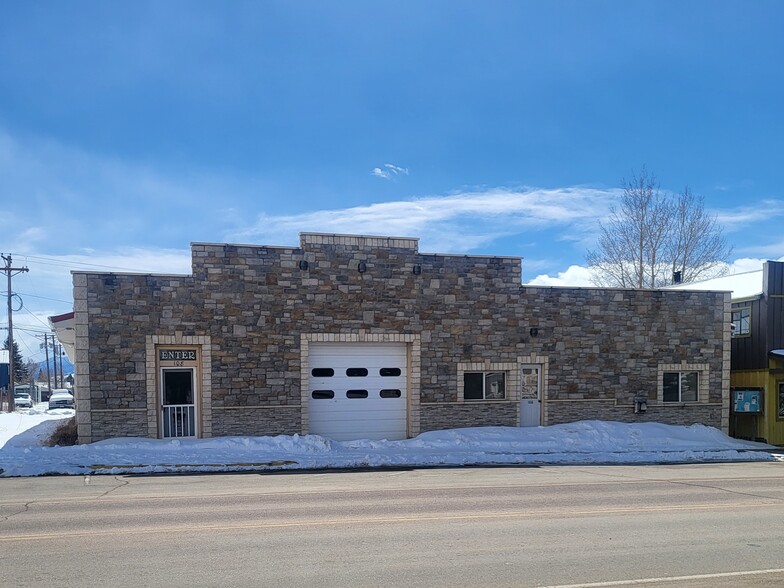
(45, 298)
(64, 263)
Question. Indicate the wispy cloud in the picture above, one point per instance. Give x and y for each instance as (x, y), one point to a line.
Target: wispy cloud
(47, 288)
(453, 223)
(389, 171)
(734, 219)
(67, 192)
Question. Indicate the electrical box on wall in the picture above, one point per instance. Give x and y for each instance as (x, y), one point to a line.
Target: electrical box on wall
(747, 401)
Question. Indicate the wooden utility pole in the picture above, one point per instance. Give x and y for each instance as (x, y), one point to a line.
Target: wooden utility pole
(48, 373)
(11, 271)
(60, 355)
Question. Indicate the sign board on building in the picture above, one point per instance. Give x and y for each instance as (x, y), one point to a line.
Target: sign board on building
(177, 355)
(747, 401)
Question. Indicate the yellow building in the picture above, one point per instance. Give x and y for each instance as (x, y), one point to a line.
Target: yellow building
(757, 376)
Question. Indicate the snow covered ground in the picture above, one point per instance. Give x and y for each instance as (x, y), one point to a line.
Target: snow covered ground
(585, 442)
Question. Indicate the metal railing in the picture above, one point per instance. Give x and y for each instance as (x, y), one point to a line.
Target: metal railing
(179, 420)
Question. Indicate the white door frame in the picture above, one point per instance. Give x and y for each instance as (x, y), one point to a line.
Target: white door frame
(179, 420)
(526, 401)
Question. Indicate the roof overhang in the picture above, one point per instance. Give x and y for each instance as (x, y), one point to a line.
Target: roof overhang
(63, 325)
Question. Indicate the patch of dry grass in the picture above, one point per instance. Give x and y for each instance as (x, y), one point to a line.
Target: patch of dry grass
(64, 435)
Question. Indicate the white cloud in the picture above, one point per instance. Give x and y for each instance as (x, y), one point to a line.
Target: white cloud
(737, 218)
(389, 171)
(575, 275)
(455, 223)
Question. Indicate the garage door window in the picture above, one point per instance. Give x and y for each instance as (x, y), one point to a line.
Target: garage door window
(389, 372)
(356, 372)
(356, 394)
(484, 385)
(322, 372)
(322, 394)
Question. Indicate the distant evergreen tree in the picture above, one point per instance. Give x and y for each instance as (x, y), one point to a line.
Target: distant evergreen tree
(21, 372)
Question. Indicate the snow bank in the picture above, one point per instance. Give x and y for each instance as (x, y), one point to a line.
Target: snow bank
(585, 442)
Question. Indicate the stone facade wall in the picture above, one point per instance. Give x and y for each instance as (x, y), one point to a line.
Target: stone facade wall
(681, 414)
(254, 305)
(256, 421)
(437, 417)
(119, 423)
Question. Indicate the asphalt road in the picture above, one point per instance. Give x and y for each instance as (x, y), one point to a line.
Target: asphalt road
(698, 526)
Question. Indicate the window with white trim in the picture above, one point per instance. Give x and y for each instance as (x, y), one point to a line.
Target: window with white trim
(484, 385)
(680, 386)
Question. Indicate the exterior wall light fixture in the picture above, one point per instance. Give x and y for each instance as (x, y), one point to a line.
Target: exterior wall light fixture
(533, 332)
(417, 269)
(362, 267)
(303, 264)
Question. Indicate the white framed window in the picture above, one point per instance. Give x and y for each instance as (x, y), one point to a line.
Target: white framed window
(741, 322)
(484, 385)
(680, 386)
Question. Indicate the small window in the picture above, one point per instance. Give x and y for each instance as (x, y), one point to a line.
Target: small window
(322, 372)
(357, 394)
(484, 385)
(680, 386)
(322, 394)
(741, 322)
(390, 394)
(356, 372)
(389, 372)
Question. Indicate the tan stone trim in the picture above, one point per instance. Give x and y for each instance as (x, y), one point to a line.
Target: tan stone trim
(631, 405)
(203, 373)
(82, 360)
(106, 410)
(565, 400)
(467, 402)
(726, 363)
(363, 241)
(257, 407)
(414, 349)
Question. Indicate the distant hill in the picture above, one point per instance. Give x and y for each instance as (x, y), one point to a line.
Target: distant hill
(68, 367)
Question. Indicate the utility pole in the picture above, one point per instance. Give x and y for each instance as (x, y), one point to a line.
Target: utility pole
(54, 363)
(10, 271)
(60, 355)
(48, 373)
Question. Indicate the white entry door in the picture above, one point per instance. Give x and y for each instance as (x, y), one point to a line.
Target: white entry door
(531, 396)
(357, 390)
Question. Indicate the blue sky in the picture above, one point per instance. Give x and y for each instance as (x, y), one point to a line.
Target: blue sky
(129, 130)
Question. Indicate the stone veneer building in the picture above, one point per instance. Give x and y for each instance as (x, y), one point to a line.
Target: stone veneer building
(358, 336)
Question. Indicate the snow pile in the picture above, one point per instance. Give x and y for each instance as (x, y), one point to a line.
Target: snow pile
(585, 442)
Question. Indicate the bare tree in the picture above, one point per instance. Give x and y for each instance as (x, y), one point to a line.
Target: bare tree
(632, 241)
(698, 248)
(648, 237)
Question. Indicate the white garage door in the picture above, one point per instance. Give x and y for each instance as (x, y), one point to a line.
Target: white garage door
(357, 390)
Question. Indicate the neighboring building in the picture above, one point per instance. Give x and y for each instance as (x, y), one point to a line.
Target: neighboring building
(757, 350)
(356, 336)
(757, 379)
(5, 370)
(63, 327)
